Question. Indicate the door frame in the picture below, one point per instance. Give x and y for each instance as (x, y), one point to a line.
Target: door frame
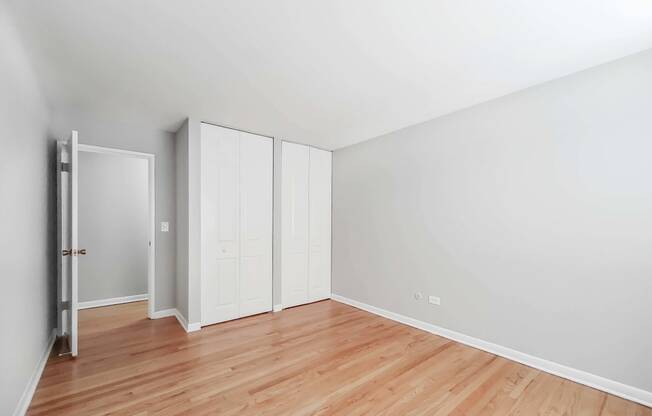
(151, 189)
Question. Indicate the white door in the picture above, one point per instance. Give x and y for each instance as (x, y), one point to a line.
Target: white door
(319, 276)
(67, 240)
(295, 226)
(236, 224)
(256, 184)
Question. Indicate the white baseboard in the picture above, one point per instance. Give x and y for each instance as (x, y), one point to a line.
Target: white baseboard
(609, 386)
(277, 308)
(28, 393)
(195, 326)
(112, 301)
(192, 327)
(164, 313)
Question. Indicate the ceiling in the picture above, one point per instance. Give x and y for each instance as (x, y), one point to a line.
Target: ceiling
(329, 73)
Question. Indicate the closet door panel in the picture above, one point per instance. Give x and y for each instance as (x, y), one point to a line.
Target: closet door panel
(320, 225)
(220, 291)
(295, 224)
(256, 172)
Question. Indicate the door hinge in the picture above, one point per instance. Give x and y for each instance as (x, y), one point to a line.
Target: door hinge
(65, 167)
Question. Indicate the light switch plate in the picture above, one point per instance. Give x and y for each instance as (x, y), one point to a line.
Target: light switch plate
(434, 300)
(165, 226)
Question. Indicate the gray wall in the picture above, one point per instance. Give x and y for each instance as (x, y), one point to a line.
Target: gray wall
(181, 145)
(113, 226)
(188, 181)
(27, 220)
(530, 216)
(194, 220)
(110, 130)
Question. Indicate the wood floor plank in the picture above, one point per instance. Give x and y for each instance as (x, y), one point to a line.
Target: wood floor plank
(324, 358)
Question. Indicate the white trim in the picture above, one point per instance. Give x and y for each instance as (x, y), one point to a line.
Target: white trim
(195, 326)
(192, 327)
(151, 179)
(28, 393)
(113, 151)
(278, 308)
(163, 313)
(112, 301)
(609, 386)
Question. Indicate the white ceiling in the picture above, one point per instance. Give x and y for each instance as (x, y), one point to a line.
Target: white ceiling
(328, 72)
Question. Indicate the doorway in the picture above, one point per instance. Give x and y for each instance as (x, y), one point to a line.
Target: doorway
(116, 209)
(106, 235)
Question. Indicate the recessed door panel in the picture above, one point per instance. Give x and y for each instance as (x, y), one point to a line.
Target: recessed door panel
(220, 228)
(295, 223)
(256, 158)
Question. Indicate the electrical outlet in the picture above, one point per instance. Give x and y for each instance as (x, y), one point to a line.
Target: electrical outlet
(434, 300)
(165, 227)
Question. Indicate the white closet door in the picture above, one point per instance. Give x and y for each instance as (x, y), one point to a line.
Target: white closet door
(220, 289)
(256, 166)
(295, 224)
(319, 275)
(237, 224)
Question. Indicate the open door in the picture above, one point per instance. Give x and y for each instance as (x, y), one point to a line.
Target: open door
(67, 239)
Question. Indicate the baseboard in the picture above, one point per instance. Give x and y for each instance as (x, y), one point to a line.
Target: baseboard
(28, 393)
(609, 386)
(112, 301)
(164, 313)
(192, 327)
(277, 308)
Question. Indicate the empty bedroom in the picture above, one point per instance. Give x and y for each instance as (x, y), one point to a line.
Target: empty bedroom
(326, 207)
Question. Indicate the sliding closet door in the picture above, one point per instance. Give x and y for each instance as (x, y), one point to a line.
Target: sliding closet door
(295, 224)
(236, 224)
(319, 275)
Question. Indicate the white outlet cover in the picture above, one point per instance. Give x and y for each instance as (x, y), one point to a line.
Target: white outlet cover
(434, 300)
(165, 227)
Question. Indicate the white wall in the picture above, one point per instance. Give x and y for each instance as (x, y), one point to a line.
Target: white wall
(109, 129)
(530, 216)
(27, 220)
(113, 226)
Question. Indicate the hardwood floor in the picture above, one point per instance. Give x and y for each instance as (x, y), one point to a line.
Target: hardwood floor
(325, 358)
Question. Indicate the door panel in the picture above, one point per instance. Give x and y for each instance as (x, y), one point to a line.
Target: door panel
(320, 225)
(256, 172)
(295, 223)
(237, 224)
(67, 214)
(220, 213)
